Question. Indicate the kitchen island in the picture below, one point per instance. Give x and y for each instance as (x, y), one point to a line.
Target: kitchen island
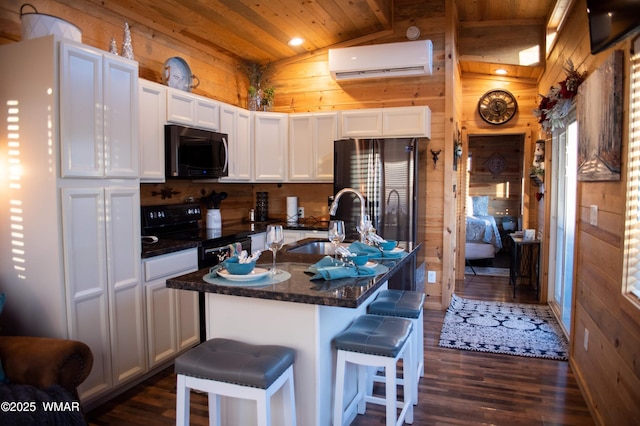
(299, 313)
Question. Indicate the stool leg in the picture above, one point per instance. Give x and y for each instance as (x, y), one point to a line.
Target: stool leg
(214, 409)
(182, 401)
(420, 341)
(363, 388)
(289, 397)
(410, 385)
(264, 409)
(391, 391)
(338, 400)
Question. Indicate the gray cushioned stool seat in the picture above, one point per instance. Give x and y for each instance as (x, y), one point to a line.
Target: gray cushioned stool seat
(236, 362)
(374, 334)
(398, 303)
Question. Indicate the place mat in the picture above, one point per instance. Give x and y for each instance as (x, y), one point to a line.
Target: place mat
(213, 278)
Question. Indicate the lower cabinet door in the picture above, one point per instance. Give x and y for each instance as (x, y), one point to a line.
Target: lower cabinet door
(161, 322)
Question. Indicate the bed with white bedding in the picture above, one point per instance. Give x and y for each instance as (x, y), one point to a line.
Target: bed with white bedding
(482, 236)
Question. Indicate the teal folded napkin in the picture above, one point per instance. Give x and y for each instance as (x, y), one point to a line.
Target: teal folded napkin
(328, 268)
(374, 252)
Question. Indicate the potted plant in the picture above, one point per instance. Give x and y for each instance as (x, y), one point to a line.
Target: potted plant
(536, 173)
(260, 93)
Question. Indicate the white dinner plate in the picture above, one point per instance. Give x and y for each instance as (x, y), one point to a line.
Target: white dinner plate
(256, 274)
(370, 264)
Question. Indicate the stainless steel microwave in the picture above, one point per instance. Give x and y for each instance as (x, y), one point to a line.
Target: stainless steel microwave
(192, 153)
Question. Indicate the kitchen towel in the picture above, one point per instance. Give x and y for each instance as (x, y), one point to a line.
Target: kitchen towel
(358, 247)
(328, 268)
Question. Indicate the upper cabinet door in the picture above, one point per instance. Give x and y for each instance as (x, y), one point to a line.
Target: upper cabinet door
(270, 146)
(326, 125)
(192, 110)
(81, 111)
(311, 138)
(236, 123)
(120, 117)
(361, 123)
(301, 147)
(153, 116)
(409, 121)
(98, 113)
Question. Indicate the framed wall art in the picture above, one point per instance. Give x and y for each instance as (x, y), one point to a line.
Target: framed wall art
(599, 115)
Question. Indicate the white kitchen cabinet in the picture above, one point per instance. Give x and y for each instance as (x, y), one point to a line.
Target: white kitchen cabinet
(152, 118)
(192, 110)
(100, 229)
(361, 123)
(386, 122)
(406, 122)
(98, 113)
(172, 315)
(292, 235)
(270, 142)
(315, 234)
(258, 241)
(311, 138)
(236, 123)
(73, 269)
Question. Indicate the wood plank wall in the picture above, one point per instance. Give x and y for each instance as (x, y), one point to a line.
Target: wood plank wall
(306, 86)
(608, 371)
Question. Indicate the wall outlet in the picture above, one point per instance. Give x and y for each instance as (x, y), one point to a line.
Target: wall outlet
(431, 277)
(586, 339)
(300, 212)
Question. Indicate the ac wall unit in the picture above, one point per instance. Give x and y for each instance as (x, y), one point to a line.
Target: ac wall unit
(411, 58)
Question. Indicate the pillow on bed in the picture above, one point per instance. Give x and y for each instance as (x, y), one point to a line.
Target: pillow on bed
(480, 205)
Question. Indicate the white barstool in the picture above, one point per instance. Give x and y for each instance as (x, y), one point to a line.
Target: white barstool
(404, 304)
(224, 367)
(379, 342)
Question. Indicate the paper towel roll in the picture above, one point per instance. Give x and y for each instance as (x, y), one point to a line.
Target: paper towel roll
(292, 210)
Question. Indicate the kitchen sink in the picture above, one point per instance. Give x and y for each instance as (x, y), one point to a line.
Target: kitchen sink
(315, 247)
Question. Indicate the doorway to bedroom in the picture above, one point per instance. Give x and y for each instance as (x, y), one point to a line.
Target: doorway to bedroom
(494, 204)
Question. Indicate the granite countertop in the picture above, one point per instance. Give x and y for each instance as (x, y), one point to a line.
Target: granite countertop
(237, 230)
(345, 292)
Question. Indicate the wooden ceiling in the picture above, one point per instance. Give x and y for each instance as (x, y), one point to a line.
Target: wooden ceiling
(491, 32)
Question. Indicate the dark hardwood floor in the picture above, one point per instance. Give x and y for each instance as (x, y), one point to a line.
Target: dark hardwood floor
(459, 387)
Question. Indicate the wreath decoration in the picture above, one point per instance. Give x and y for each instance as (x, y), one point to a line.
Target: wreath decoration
(555, 106)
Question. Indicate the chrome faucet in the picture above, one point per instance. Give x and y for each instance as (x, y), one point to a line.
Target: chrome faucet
(362, 227)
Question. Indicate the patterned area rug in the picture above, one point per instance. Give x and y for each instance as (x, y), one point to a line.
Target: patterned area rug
(505, 328)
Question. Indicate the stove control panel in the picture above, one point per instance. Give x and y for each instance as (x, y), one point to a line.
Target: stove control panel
(169, 215)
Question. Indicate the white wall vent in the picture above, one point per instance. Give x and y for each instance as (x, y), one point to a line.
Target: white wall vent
(410, 58)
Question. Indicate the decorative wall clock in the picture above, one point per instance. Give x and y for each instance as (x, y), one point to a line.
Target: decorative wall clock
(497, 106)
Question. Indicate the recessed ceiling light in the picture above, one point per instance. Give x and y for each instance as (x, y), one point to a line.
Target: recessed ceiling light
(296, 41)
(501, 71)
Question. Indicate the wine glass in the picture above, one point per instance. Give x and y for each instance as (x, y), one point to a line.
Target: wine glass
(336, 235)
(275, 240)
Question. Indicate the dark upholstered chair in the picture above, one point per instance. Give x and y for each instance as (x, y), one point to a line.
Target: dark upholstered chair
(43, 362)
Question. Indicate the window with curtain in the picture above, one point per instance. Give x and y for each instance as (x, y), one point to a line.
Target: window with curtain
(631, 286)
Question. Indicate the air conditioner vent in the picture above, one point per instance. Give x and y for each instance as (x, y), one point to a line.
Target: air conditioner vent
(405, 59)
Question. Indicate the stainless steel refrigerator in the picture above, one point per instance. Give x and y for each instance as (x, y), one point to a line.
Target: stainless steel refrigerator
(385, 171)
